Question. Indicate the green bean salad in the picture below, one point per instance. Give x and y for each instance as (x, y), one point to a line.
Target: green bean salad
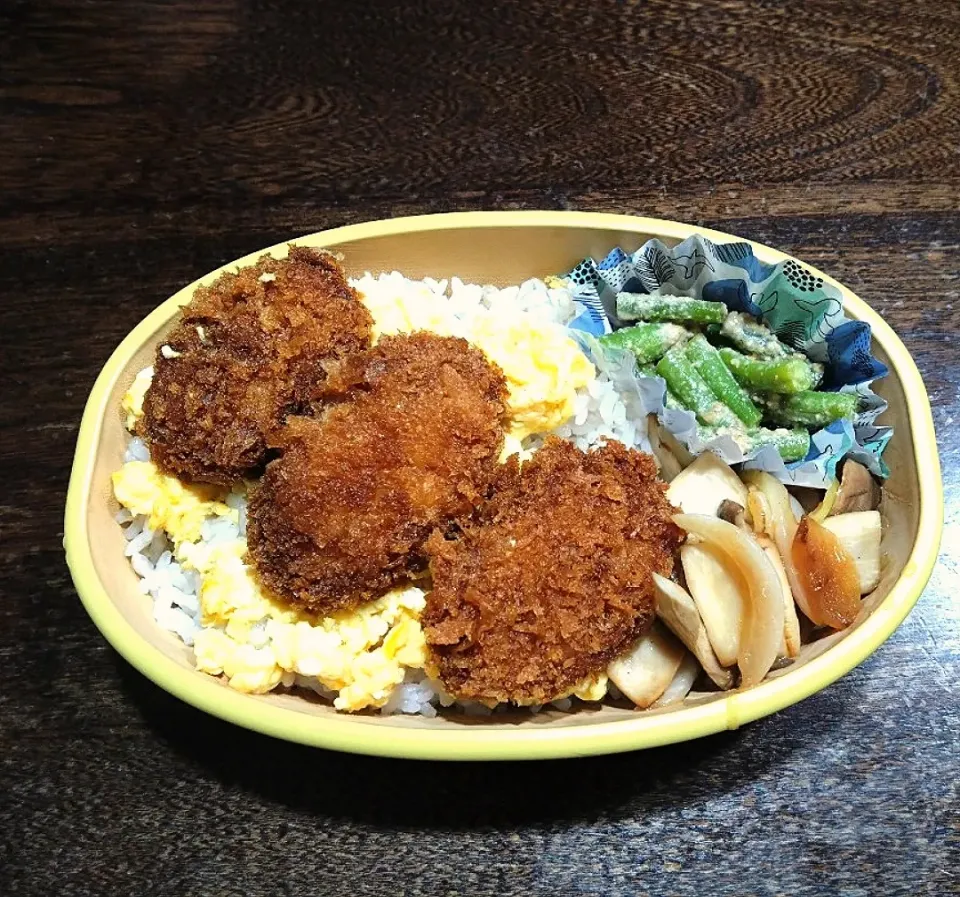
(728, 369)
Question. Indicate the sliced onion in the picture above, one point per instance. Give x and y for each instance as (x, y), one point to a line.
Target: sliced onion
(791, 625)
(828, 573)
(781, 526)
(758, 510)
(762, 631)
(822, 511)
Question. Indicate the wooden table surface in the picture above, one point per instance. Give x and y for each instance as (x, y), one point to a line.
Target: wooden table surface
(143, 144)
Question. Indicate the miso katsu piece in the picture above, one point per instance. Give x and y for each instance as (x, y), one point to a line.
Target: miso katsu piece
(249, 349)
(407, 441)
(554, 580)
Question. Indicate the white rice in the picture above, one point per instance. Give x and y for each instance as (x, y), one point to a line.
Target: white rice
(600, 413)
(136, 450)
(462, 302)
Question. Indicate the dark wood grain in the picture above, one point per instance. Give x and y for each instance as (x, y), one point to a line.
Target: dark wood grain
(144, 143)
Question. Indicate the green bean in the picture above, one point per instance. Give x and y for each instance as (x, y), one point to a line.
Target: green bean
(789, 375)
(710, 366)
(692, 390)
(810, 409)
(669, 399)
(647, 342)
(752, 337)
(656, 307)
(792, 445)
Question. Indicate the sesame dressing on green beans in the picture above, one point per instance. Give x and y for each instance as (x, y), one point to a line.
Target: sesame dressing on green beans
(792, 445)
(810, 409)
(787, 375)
(730, 392)
(752, 337)
(693, 391)
(669, 399)
(655, 307)
(646, 342)
(711, 367)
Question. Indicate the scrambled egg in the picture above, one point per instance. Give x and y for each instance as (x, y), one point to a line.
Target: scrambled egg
(132, 401)
(170, 505)
(543, 366)
(256, 643)
(593, 688)
(230, 597)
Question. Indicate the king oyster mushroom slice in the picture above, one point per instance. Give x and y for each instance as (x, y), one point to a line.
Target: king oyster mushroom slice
(679, 612)
(644, 671)
(859, 491)
(761, 632)
(859, 532)
(681, 683)
(702, 486)
(676, 447)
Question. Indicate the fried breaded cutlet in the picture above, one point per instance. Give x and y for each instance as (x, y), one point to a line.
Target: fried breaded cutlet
(408, 441)
(249, 349)
(554, 580)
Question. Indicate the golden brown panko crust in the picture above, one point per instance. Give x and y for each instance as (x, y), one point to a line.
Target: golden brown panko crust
(249, 349)
(408, 441)
(554, 580)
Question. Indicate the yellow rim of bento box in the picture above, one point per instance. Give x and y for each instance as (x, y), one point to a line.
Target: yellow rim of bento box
(343, 732)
